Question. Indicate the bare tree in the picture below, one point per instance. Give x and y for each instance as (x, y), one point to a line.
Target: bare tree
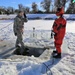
(56, 4)
(27, 9)
(10, 10)
(24, 8)
(20, 6)
(3, 10)
(34, 7)
(71, 8)
(63, 2)
(46, 5)
(60, 3)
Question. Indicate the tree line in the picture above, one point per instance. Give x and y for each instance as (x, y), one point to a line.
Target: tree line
(48, 6)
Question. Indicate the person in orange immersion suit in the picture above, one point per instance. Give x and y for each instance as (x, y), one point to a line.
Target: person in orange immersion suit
(58, 30)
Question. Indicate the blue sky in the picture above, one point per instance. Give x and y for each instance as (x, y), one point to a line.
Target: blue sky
(14, 3)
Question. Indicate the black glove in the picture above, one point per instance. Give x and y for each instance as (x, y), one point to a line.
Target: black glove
(25, 15)
(25, 18)
(53, 34)
(15, 34)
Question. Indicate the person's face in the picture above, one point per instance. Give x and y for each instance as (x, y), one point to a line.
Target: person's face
(22, 13)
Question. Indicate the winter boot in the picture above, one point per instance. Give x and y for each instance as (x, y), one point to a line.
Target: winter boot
(54, 52)
(17, 46)
(26, 51)
(58, 55)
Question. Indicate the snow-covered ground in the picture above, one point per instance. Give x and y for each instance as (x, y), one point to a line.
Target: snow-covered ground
(42, 16)
(24, 65)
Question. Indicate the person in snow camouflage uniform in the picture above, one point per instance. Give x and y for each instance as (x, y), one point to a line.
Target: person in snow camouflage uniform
(58, 30)
(18, 28)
